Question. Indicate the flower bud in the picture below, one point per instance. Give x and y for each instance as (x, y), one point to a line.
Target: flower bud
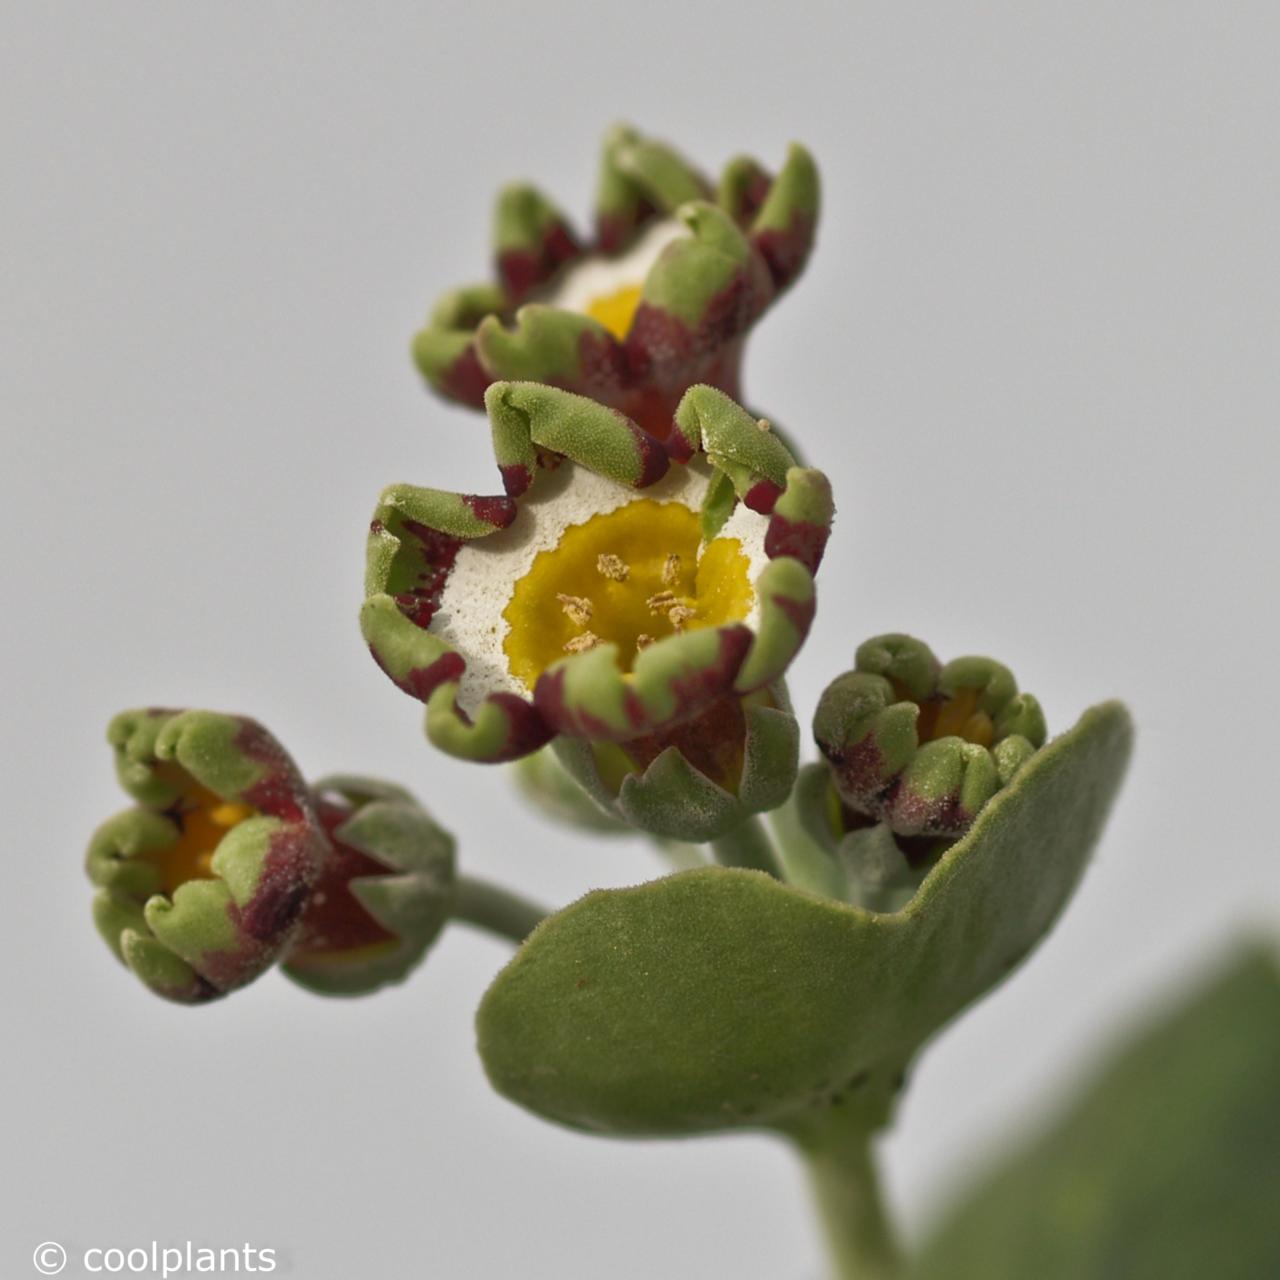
(920, 746)
(384, 895)
(202, 885)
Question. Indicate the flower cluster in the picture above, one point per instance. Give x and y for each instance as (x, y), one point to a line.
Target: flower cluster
(229, 863)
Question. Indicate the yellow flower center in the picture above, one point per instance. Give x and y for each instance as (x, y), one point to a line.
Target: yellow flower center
(616, 310)
(626, 577)
(203, 818)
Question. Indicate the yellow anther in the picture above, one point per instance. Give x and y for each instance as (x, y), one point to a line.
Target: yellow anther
(576, 608)
(662, 601)
(612, 566)
(630, 568)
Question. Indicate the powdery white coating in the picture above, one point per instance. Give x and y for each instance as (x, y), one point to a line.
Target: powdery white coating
(486, 570)
(597, 276)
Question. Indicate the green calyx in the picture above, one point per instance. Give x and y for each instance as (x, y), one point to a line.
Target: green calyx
(385, 895)
(669, 787)
(717, 999)
(201, 885)
(920, 746)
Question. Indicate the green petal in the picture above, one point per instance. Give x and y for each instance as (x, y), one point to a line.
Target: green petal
(719, 998)
(544, 344)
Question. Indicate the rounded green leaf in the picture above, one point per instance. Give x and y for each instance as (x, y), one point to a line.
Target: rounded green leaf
(719, 998)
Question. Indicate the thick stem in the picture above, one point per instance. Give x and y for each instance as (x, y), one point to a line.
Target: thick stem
(842, 1172)
(496, 910)
(747, 845)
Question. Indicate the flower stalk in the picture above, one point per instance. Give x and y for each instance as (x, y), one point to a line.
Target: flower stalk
(748, 845)
(496, 910)
(846, 1189)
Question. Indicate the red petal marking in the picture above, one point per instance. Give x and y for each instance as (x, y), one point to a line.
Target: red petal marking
(520, 271)
(762, 496)
(799, 612)
(713, 742)
(615, 230)
(700, 688)
(754, 195)
(602, 367)
(553, 706)
(785, 251)
(935, 816)
(860, 772)
(466, 379)
(280, 792)
(439, 551)
(694, 693)
(798, 538)
(560, 246)
(652, 456)
(334, 919)
(265, 922)
(421, 682)
(523, 270)
(678, 446)
(499, 510)
(516, 478)
(527, 730)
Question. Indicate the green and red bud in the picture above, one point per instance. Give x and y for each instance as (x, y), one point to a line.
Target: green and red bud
(921, 746)
(202, 886)
(384, 895)
(230, 863)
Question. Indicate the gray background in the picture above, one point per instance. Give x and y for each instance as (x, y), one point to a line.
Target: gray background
(1036, 350)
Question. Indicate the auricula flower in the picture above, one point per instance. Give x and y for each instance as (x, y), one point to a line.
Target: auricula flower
(202, 884)
(637, 600)
(664, 297)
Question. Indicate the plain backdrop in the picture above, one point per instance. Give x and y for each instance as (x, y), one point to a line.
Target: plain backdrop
(1036, 349)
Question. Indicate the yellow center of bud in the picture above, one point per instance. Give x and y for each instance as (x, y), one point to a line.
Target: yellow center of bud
(957, 717)
(627, 577)
(202, 818)
(616, 310)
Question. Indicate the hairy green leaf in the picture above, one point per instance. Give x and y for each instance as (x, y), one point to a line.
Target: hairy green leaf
(719, 998)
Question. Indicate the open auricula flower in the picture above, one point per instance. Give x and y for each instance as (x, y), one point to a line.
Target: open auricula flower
(664, 298)
(202, 885)
(638, 601)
